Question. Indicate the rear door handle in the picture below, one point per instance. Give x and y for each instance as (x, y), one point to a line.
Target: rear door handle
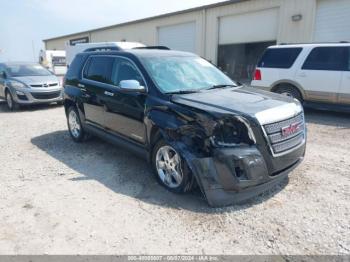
(302, 74)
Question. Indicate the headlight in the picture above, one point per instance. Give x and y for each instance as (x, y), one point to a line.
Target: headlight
(232, 132)
(17, 84)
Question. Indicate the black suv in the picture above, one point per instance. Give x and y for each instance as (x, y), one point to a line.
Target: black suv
(188, 119)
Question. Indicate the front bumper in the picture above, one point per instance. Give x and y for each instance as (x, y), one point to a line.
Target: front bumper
(28, 96)
(234, 175)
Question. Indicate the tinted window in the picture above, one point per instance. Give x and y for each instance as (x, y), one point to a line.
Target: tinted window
(99, 68)
(125, 70)
(327, 58)
(279, 57)
(348, 66)
(75, 66)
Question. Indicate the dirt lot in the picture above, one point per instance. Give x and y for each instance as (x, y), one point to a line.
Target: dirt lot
(58, 197)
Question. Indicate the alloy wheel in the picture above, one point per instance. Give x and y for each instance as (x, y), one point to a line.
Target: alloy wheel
(74, 124)
(168, 164)
(9, 100)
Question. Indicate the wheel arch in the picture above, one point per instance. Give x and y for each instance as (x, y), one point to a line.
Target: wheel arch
(290, 83)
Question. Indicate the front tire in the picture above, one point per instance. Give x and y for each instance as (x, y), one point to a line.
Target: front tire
(75, 127)
(171, 169)
(11, 104)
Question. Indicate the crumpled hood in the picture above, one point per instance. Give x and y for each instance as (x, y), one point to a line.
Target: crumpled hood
(36, 80)
(243, 100)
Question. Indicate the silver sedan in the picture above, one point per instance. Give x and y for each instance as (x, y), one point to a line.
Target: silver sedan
(28, 83)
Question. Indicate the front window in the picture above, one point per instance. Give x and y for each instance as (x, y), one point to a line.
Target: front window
(184, 73)
(27, 70)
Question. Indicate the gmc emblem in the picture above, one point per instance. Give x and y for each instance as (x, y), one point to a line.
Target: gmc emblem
(289, 130)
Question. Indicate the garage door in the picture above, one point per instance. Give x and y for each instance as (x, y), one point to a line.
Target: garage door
(178, 37)
(332, 21)
(251, 27)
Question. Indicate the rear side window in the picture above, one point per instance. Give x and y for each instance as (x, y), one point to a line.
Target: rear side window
(279, 57)
(75, 67)
(327, 58)
(99, 68)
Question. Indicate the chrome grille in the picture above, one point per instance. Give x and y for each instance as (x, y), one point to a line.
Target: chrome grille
(45, 85)
(281, 142)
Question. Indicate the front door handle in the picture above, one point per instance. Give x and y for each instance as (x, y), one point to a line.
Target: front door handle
(108, 93)
(302, 74)
(85, 95)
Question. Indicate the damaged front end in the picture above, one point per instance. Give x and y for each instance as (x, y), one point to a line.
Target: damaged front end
(225, 156)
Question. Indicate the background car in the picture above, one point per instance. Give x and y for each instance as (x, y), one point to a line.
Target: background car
(316, 74)
(28, 83)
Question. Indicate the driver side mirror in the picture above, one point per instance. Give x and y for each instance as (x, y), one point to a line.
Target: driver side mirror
(131, 86)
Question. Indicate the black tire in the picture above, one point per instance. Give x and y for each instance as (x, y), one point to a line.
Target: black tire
(11, 104)
(187, 178)
(60, 103)
(76, 136)
(290, 91)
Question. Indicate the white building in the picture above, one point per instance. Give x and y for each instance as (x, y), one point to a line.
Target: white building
(231, 34)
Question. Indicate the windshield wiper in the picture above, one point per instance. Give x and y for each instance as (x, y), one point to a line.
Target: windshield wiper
(190, 91)
(220, 86)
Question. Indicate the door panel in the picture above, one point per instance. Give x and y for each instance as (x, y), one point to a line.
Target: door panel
(344, 94)
(2, 87)
(321, 73)
(322, 86)
(93, 102)
(97, 77)
(2, 82)
(125, 110)
(125, 115)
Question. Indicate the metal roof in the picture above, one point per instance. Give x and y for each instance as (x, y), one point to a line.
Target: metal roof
(150, 18)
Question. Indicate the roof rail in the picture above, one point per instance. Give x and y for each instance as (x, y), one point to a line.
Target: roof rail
(102, 49)
(153, 47)
(312, 43)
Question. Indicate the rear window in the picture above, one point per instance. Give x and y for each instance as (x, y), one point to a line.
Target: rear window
(99, 68)
(279, 57)
(327, 58)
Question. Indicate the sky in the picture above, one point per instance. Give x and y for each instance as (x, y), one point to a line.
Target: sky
(25, 23)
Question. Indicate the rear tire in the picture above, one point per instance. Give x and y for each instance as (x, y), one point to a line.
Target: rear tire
(290, 91)
(170, 169)
(75, 127)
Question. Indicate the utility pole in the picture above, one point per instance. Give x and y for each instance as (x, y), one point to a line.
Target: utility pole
(33, 48)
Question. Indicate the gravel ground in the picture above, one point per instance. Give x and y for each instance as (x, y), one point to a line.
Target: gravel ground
(58, 197)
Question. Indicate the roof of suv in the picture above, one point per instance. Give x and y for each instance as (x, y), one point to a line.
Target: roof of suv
(19, 63)
(143, 52)
(311, 45)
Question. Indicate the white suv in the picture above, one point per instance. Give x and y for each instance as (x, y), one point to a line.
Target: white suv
(315, 74)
